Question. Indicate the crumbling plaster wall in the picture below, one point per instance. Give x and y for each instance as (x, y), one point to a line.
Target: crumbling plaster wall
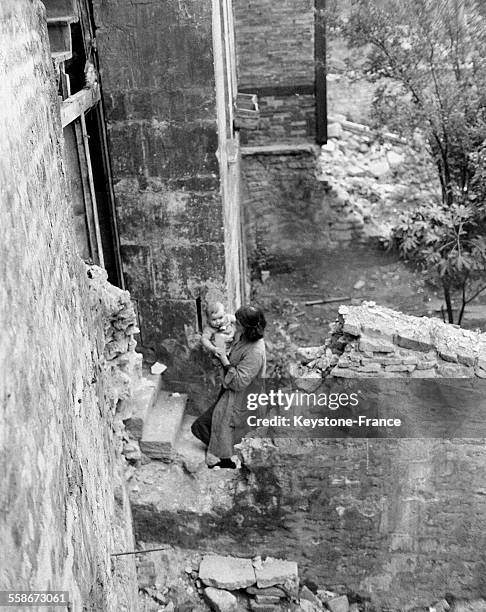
(159, 93)
(63, 503)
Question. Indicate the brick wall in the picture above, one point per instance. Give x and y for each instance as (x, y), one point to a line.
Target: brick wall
(275, 49)
(63, 503)
(285, 206)
(158, 82)
(283, 118)
(275, 42)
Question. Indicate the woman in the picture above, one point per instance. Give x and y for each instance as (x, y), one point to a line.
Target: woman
(223, 425)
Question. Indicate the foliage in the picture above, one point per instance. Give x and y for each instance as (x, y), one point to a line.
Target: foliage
(445, 243)
(429, 58)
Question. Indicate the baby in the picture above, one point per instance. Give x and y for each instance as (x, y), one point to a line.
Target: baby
(219, 330)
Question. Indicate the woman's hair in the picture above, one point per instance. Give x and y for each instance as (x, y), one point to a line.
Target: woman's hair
(253, 322)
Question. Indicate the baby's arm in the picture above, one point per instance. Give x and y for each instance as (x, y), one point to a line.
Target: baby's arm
(206, 339)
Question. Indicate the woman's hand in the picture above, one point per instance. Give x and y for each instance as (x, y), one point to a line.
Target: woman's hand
(221, 355)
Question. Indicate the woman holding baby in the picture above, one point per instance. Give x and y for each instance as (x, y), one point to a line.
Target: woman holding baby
(223, 425)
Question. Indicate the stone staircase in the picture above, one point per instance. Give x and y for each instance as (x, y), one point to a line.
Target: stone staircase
(156, 419)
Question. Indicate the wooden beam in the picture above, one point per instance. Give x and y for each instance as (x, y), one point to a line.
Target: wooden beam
(88, 204)
(280, 90)
(99, 246)
(320, 71)
(281, 149)
(76, 105)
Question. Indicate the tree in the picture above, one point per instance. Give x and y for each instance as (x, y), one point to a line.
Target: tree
(430, 58)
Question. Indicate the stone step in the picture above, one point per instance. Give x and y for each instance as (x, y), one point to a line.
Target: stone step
(162, 426)
(137, 407)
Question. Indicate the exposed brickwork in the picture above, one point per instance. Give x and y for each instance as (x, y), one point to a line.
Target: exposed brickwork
(158, 80)
(275, 42)
(283, 119)
(275, 47)
(286, 207)
(63, 502)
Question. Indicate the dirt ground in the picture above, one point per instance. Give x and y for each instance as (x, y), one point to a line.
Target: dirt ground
(354, 274)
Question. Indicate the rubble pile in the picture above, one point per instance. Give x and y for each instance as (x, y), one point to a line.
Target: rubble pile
(230, 584)
(234, 584)
(374, 341)
(122, 364)
(374, 176)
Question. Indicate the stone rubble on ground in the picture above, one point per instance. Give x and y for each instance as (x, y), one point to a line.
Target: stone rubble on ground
(277, 571)
(283, 595)
(338, 604)
(372, 176)
(227, 572)
(220, 600)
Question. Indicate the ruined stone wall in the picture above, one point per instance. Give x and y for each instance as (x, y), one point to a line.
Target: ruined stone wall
(275, 52)
(395, 522)
(63, 502)
(158, 83)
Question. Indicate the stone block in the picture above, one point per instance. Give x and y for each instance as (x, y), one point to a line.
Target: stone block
(162, 425)
(307, 606)
(447, 353)
(267, 599)
(440, 606)
(261, 607)
(278, 571)
(432, 373)
(394, 159)
(310, 353)
(269, 591)
(379, 167)
(370, 367)
(465, 357)
(426, 364)
(227, 572)
(410, 339)
(220, 600)
(400, 368)
(352, 328)
(307, 595)
(334, 130)
(338, 604)
(453, 370)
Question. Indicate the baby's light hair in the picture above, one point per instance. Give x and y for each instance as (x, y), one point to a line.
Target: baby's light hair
(213, 307)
